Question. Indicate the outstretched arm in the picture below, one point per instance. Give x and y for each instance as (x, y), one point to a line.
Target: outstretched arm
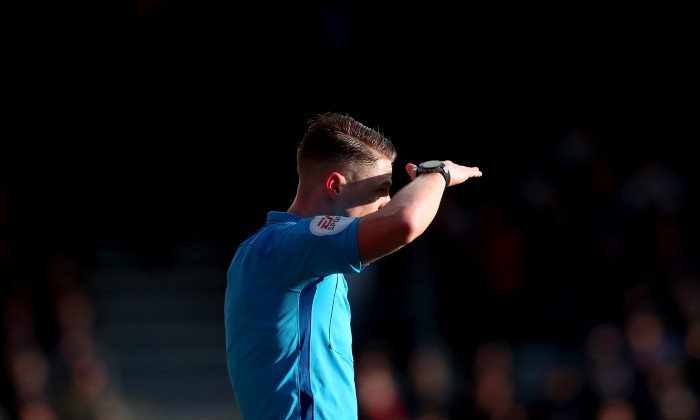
(409, 212)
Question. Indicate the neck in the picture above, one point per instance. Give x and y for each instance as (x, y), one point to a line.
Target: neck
(310, 207)
(306, 205)
(298, 209)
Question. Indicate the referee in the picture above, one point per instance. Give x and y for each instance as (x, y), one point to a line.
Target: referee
(287, 315)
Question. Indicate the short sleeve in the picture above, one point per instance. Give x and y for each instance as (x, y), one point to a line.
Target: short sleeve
(317, 247)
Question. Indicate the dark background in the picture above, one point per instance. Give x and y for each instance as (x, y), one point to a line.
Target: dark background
(151, 126)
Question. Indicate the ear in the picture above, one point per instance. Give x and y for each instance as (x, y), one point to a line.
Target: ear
(334, 181)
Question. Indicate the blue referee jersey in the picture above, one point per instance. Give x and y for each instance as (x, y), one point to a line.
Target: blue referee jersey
(287, 318)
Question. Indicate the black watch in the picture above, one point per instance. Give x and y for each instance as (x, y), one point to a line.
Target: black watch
(434, 166)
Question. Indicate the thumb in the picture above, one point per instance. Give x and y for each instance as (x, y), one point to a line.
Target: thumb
(411, 170)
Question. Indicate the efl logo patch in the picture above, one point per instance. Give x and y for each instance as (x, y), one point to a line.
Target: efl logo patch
(329, 225)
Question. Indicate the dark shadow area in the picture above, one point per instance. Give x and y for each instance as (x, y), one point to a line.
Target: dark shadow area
(146, 139)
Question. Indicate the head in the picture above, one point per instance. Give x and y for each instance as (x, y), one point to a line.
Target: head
(344, 167)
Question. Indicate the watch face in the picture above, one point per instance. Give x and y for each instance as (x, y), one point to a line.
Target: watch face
(431, 164)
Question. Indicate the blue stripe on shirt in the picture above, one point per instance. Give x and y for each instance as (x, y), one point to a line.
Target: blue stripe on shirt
(306, 397)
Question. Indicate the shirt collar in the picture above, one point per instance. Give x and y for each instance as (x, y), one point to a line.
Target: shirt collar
(281, 217)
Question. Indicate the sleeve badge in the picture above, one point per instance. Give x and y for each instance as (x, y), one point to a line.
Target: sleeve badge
(329, 225)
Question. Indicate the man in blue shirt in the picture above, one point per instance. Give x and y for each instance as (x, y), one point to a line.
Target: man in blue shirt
(287, 315)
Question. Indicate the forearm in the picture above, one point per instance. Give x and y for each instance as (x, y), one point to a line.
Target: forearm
(409, 213)
(417, 204)
(404, 218)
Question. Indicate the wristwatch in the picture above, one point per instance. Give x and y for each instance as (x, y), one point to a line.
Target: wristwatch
(434, 166)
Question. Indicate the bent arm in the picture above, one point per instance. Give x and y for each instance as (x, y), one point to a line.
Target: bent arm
(408, 214)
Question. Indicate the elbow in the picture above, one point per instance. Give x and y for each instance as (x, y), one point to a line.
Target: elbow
(409, 228)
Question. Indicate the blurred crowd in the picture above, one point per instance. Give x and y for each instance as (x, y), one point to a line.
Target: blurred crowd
(566, 289)
(52, 366)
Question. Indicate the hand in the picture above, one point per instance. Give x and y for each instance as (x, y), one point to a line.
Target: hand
(458, 173)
